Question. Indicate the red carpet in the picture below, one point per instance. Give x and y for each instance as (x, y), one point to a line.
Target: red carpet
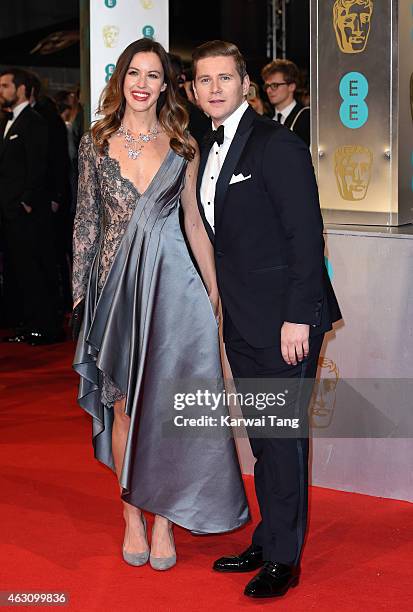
(62, 529)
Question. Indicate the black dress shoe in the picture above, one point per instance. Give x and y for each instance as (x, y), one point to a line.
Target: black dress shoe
(40, 338)
(17, 338)
(273, 580)
(248, 561)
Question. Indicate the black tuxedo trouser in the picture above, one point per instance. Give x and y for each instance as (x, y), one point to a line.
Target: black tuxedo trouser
(31, 288)
(281, 468)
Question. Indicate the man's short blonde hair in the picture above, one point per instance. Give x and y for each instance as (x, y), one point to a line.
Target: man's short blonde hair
(217, 48)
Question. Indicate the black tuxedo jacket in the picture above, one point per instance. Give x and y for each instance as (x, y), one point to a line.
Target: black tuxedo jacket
(23, 164)
(58, 163)
(301, 126)
(269, 246)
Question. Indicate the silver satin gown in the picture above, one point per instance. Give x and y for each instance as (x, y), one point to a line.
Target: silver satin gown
(148, 320)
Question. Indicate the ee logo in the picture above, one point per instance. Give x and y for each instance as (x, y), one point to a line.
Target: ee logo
(354, 111)
(110, 3)
(109, 71)
(148, 31)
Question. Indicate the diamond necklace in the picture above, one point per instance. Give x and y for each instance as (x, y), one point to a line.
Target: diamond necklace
(135, 144)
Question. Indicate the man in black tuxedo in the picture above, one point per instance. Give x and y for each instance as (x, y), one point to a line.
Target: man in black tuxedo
(58, 185)
(259, 202)
(58, 149)
(281, 78)
(30, 266)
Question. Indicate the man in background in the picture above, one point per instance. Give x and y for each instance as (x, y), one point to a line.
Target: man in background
(281, 78)
(30, 276)
(58, 196)
(58, 154)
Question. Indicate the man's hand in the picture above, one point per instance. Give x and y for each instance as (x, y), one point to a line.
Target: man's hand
(294, 342)
(26, 207)
(54, 206)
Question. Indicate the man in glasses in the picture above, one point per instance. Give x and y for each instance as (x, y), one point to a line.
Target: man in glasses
(280, 83)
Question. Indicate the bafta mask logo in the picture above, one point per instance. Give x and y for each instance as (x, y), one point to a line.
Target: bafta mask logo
(110, 36)
(323, 401)
(352, 24)
(353, 166)
(147, 4)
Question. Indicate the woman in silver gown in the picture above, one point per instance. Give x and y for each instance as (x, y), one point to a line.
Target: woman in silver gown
(148, 317)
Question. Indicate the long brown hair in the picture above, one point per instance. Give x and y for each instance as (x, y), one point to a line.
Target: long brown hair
(171, 113)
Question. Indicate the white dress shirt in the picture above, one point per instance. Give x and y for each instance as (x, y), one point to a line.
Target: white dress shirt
(16, 112)
(284, 112)
(215, 161)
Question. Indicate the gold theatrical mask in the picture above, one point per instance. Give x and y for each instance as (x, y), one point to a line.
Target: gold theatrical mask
(323, 400)
(353, 166)
(110, 36)
(147, 4)
(351, 20)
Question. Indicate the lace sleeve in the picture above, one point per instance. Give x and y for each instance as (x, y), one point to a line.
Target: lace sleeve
(87, 220)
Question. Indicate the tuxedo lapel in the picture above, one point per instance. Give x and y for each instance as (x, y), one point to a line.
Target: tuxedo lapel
(3, 123)
(15, 128)
(288, 122)
(202, 163)
(237, 146)
(19, 123)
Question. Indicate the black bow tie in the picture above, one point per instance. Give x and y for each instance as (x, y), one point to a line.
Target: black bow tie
(214, 136)
(9, 115)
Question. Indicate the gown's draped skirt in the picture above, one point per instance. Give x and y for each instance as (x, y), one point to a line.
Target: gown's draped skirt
(153, 323)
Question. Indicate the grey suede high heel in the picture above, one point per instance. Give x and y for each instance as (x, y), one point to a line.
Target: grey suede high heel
(137, 559)
(163, 563)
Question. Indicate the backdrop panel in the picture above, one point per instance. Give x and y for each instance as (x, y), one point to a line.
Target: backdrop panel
(362, 109)
(114, 24)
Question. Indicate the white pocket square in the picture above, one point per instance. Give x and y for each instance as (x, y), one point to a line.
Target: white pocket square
(238, 178)
(13, 136)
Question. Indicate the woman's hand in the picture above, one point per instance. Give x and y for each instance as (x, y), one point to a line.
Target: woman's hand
(26, 207)
(77, 317)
